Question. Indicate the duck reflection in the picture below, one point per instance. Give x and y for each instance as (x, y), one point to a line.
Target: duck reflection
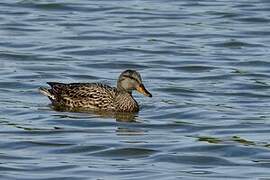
(118, 116)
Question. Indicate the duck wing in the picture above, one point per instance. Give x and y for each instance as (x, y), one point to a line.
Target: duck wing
(87, 95)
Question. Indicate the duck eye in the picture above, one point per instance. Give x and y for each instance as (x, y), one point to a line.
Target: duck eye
(130, 77)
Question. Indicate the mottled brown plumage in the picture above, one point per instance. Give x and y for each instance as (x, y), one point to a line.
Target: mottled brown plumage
(97, 96)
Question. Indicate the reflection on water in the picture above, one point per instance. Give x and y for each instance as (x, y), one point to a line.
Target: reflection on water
(118, 116)
(207, 62)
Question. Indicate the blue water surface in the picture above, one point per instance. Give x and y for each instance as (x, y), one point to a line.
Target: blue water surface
(205, 62)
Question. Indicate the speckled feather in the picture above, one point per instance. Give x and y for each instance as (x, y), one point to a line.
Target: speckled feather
(90, 95)
(97, 96)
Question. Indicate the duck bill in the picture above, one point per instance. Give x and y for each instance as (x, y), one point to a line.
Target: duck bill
(141, 89)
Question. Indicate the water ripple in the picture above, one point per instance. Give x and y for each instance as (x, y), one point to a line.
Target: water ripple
(205, 62)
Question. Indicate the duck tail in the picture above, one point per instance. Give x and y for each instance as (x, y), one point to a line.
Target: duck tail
(46, 92)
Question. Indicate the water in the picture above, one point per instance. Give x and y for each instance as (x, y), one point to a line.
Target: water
(205, 62)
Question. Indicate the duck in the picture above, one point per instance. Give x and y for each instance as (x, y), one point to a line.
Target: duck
(98, 96)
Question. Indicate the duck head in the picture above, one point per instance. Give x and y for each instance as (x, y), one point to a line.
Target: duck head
(130, 80)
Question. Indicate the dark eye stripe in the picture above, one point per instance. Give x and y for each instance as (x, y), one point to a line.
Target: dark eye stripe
(131, 78)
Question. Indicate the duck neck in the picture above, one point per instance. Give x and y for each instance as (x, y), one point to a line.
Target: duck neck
(119, 87)
(123, 90)
(125, 102)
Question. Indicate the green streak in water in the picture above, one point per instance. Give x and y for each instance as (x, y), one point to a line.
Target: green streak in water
(209, 139)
